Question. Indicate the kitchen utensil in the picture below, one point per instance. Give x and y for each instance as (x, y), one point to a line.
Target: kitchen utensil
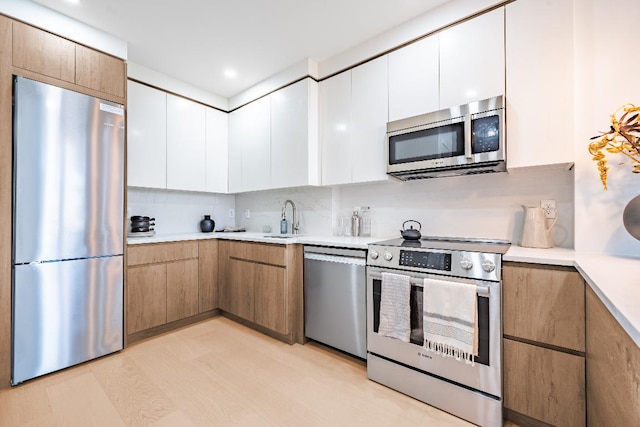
(411, 233)
(535, 232)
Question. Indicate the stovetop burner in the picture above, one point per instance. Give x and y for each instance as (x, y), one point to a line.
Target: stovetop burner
(470, 244)
(453, 256)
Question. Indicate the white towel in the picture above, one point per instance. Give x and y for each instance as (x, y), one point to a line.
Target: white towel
(394, 306)
(450, 319)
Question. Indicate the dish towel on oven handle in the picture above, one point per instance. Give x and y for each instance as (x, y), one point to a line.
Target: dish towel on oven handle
(394, 306)
(450, 319)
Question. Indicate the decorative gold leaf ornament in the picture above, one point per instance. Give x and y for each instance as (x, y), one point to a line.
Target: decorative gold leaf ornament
(623, 138)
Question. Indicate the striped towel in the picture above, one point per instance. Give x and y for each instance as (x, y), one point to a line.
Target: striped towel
(394, 306)
(450, 319)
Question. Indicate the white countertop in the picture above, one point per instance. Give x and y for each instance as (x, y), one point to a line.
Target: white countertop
(334, 241)
(615, 279)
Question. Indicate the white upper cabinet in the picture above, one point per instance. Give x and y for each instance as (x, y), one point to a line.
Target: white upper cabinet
(369, 117)
(294, 135)
(273, 141)
(539, 57)
(146, 136)
(414, 86)
(472, 59)
(186, 145)
(353, 117)
(335, 129)
(250, 133)
(217, 150)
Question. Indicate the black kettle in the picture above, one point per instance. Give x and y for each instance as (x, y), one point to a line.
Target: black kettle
(411, 233)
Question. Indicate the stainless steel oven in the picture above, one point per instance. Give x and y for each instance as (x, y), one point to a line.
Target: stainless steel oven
(470, 391)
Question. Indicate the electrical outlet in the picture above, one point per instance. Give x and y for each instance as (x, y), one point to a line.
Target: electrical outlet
(549, 207)
(247, 214)
(232, 213)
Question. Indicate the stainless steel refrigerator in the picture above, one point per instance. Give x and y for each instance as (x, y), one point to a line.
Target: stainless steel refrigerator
(68, 211)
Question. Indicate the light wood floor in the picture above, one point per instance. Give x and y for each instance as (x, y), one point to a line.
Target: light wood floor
(215, 373)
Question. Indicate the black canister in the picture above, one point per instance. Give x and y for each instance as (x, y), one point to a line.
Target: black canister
(207, 224)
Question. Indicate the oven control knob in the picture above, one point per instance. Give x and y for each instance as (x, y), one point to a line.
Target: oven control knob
(374, 254)
(466, 263)
(388, 256)
(488, 265)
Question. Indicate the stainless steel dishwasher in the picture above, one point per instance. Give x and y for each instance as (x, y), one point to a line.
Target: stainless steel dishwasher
(335, 298)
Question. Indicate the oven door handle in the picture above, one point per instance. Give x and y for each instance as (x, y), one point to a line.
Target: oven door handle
(483, 291)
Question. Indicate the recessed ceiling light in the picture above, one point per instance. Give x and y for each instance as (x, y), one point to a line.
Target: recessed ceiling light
(230, 73)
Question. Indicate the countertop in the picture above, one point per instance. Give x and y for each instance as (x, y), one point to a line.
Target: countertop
(615, 279)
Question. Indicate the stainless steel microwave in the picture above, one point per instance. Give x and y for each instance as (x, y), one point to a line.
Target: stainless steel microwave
(459, 140)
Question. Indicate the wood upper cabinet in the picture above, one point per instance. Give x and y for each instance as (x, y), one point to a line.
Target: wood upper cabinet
(478, 45)
(43, 53)
(262, 283)
(101, 72)
(613, 369)
(544, 304)
(539, 83)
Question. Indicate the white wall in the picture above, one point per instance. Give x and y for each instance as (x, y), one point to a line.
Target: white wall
(606, 78)
(470, 206)
(179, 211)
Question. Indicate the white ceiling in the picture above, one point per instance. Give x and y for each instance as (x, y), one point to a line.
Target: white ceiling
(197, 40)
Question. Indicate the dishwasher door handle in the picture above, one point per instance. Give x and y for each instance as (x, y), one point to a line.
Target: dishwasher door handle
(336, 259)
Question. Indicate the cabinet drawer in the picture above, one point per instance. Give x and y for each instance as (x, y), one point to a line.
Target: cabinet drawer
(259, 252)
(544, 304)
(43, 53)
(98, 71)
(544, 384)
(161, 252)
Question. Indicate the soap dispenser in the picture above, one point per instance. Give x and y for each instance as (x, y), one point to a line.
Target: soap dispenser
(284, 226)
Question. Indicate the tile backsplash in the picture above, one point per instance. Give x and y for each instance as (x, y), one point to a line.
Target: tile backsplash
(179, 211)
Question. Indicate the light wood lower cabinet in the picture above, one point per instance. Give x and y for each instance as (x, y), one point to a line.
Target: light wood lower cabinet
(146, 297)
(544, 384)
(182, 289)
(207, 275)
(262, 285)
(613, 369)
(544, 345)
(169, 284)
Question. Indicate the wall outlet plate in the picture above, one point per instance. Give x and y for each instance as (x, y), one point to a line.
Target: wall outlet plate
(232, 213)
(247, 214)
(549, 207)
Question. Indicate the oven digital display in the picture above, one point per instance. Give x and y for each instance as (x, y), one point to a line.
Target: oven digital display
(431, 260)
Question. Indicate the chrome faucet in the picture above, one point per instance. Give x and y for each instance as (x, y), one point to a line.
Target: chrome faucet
(295, 226)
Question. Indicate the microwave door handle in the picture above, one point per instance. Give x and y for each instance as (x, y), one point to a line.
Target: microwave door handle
(467, 137)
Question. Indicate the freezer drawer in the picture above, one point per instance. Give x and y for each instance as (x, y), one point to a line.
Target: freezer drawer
(335, 298)
(65, 313)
